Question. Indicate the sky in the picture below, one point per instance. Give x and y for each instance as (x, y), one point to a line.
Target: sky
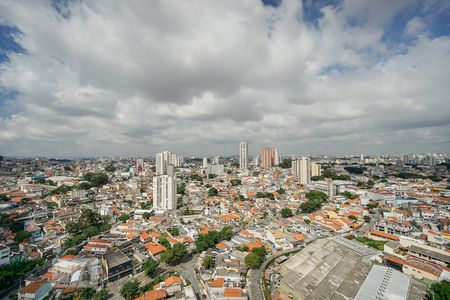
(112, 77)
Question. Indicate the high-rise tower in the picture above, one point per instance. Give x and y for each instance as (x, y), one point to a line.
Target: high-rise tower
(243, 155)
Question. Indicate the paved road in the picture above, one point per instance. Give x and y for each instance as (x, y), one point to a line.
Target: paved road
(254, 277)
(187, 270)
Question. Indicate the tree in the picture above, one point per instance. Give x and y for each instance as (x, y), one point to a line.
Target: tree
(317, 195)
(181, 189)
(101, 295)
(21, 236)
(150, 266)
(226, 233)
(286, 212)
(110, 168)
(124, 217)
(261, 252)
(317, 178)
(146, 215)
(352, 217)
(235, 182)
(84, 185)
(89, 218)
(309, 206)
(253, 260)
(349, 195)
(174, 231)
(265, 195)
(213, 192)
(244, 248)
(440, 290)
(4, 197)
(96, 179)
(286, 163)
(52, 205)
(60, 190)
(174, 255)
(163, 241)
(355, 170)
(130, 290)
(87, 293)
(372, 205)
(281, 191)
(208, 263)
(367, 219)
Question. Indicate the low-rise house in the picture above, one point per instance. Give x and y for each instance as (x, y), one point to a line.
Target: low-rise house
(172, 285)
(36, 290)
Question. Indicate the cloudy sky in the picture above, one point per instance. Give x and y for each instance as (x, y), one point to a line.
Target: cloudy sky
(87, 78)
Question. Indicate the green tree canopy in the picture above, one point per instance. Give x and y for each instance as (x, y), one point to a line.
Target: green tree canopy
(124, 217)
(261, 252)
(286, 212)
(253, 260)
(174, 255)
(208, 263)
(174, 231)
(440, 290)
(213, 192)
(130, 290)
(87, 293)
(110, 168)
(150, 267)
(101, 295)
(96, 179)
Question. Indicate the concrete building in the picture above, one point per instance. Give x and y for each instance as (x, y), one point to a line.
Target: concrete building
(303, 169)
(36, 290)
(383, 283)
(164, 159)
(116, 265)
(243, 155)
(215, 169)
(316, 169)
(164, 192)
(331, 268)
(269, 157)
(4, 255)
(106, 210)
(205, 162)
(139, 165)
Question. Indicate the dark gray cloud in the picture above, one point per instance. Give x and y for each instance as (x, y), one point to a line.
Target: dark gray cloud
(133, 78)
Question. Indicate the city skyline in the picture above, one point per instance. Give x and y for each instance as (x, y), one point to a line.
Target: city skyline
(98, 78)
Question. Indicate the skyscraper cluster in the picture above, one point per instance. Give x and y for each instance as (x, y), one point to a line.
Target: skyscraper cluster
(303, 169)
(164, 184)
(166, 158)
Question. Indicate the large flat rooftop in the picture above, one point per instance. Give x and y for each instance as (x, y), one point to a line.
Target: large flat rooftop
(332, 268)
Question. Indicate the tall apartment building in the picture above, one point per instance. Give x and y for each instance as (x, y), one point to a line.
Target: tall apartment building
(164, 192)
(205, 162)
(303, 168)
(243, 155)
(316, 169)
(164, 184)
(165, 158)
(139, 165)
(269, 157)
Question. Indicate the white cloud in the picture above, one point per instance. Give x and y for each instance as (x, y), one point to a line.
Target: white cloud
(197, 76)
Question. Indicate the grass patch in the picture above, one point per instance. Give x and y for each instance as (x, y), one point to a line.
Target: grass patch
(379, 245)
